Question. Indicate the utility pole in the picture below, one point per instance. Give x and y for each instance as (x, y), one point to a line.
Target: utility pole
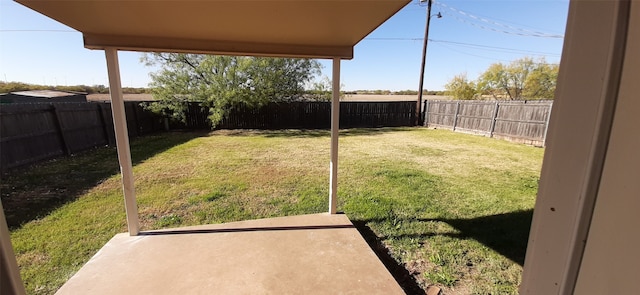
(424, 58)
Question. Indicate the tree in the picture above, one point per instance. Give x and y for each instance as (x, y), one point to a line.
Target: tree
(459, 87)
(541, 82)
(408, 92)
(522, 78)
(6, 87)
(322, 90)
(494, 81)
(222, 82)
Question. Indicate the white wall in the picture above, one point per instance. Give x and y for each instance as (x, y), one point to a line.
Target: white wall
(611, 261)
(583, 234)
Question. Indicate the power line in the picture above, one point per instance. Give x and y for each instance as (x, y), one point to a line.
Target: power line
(485, 19)
(462, 44)
(514, 30)
(395, 39)
(513, 23)
(471, 54)
(479, 46)
(499, 49)
(489, 58)
(48, 31)
(503, 31)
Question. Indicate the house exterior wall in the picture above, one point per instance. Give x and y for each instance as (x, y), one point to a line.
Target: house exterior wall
(578, 145)
(611, 257)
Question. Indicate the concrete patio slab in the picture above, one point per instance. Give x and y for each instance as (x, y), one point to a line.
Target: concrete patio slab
(306, 254)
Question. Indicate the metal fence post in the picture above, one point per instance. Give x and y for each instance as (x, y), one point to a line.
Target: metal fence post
(455, 116)
(494, 119)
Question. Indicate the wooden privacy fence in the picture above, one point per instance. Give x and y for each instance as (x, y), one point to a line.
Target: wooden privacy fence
(33, 132)
(307, 115)
(39, 131)
(518, 121)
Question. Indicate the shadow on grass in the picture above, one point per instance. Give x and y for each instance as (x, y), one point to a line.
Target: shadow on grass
(309, 133)
(32, 192)
(507, 233)
(406, 281)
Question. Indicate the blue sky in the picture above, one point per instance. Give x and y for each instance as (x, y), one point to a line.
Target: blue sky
(470, 36)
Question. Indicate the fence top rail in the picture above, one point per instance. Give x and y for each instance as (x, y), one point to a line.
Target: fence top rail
(379, 102)
(2, 105)
(465, 102)
(443, 101)
(501, 102)
(401, 102)
(49, 103)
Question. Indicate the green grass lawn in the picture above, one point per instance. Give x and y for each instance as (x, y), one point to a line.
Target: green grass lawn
(449, 209)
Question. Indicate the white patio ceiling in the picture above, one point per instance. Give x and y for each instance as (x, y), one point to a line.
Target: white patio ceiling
(293, 28)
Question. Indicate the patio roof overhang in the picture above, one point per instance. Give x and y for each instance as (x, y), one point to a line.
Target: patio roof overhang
(279, 28)
(287, 28)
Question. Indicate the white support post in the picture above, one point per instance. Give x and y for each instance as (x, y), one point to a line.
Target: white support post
(335, 128)
(8, 263)
(122, 141)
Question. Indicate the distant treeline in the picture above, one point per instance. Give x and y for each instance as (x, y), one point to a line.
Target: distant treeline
(389, 92)
(6, 87)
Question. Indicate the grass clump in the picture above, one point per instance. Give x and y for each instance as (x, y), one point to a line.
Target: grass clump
(451, 209)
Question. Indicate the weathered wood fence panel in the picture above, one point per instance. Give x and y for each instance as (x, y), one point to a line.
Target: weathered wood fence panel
(294, 115)
(519, 121)
(33, 132)
(29, 133)
(377, 114)
(80, 126)
(307, 115)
